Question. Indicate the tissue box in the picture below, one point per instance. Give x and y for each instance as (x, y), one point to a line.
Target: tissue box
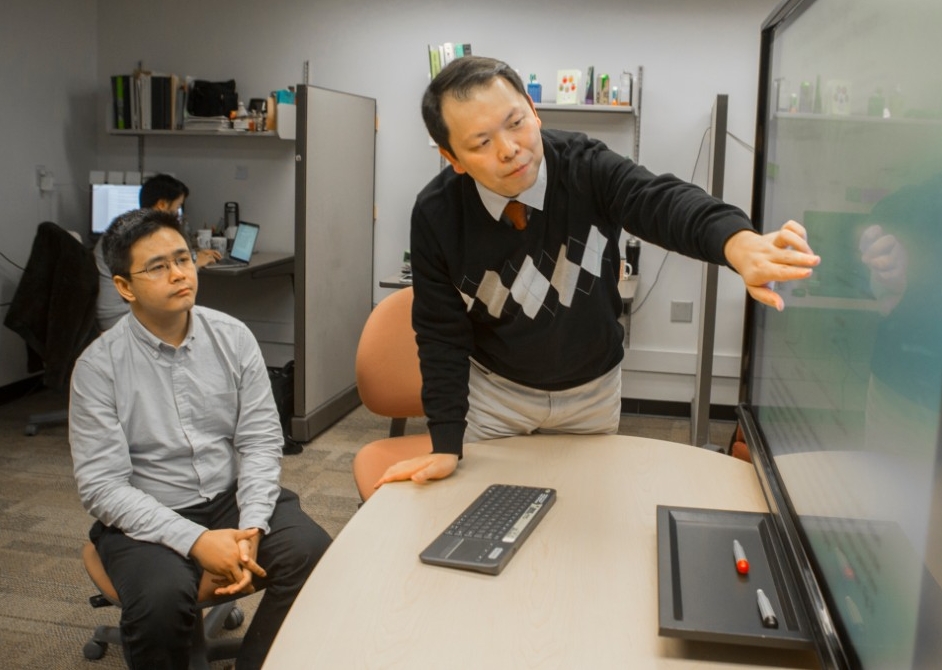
(287, 121)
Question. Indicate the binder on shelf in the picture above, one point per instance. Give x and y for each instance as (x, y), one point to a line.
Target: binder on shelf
(135, 103)
(121, 101)
(144, 96)
(177, 102)
(434, 63)
(157, 102)
(164, 108)
(440, 55)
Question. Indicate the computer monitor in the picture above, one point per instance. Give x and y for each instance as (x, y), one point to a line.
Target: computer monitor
(109, 201)
(842, 390)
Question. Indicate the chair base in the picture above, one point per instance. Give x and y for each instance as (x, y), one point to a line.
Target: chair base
(54, 418)
(205, 647)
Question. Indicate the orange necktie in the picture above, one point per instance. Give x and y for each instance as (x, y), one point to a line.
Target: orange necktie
(516, 212)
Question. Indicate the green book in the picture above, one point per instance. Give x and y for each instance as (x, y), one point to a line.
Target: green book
(120, 100)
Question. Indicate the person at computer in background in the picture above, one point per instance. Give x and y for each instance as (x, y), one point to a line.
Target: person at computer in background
(176, 448)
(161, 192)
(518, 328)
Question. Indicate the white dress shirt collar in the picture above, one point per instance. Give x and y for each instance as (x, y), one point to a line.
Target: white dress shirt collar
(533, 197)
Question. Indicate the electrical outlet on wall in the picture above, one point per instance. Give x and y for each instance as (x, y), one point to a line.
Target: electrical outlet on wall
(681, 311)
(45, 179)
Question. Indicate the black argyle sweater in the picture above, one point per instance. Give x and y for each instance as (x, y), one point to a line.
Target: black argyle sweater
(540, 306)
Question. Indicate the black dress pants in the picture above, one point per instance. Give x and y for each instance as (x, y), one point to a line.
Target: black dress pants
(158, 587)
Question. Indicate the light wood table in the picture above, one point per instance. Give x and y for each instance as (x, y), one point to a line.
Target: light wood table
(580, 593)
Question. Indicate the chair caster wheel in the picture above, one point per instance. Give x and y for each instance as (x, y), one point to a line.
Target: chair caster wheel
(93, 650)
(234, 619)
(31, 429)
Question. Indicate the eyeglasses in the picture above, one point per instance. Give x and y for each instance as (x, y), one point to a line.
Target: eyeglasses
(161, 269)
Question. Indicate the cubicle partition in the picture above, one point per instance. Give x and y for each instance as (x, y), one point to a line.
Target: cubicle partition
(335, 151)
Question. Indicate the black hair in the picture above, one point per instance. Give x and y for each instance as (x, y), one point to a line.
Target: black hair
(127, 229)
(162, 187)
(458, 79)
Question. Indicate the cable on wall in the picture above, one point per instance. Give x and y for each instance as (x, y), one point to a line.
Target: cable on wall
(660, 267)
(7, 259)
(745, 145)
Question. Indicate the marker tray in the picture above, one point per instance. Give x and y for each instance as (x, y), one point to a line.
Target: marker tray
(702, 597)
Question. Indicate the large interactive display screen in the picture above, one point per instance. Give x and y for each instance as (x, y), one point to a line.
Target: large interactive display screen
(845, 384)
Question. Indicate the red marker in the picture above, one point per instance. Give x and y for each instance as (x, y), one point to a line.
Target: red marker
(742, 563)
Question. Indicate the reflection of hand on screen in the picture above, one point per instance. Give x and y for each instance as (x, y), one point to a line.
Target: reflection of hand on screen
(887, 260)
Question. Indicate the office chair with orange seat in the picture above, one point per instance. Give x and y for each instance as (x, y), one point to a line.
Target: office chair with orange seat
(390, 384)
(205, 645)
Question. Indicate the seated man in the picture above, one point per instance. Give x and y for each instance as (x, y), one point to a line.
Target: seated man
(161, 192)
(176, 448)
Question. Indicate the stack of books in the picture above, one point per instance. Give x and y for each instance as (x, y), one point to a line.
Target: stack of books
(442, 54)
(205, 123)
(147, 100)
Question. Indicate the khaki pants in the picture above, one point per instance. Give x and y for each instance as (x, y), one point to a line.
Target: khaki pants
(499, 407)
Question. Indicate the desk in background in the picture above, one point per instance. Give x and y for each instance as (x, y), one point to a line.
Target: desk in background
(262, 295)
(581, 592)
(263, 264)
(395, 281)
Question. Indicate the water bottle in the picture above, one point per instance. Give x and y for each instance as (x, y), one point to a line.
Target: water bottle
(535, 89)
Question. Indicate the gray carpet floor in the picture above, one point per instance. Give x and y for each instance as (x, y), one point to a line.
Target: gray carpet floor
(45, 617)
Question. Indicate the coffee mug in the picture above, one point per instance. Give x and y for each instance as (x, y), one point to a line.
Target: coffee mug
(204, 238)
(219, 244)
(626, 269)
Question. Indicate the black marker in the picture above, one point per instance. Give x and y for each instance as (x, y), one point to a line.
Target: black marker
(765, 610)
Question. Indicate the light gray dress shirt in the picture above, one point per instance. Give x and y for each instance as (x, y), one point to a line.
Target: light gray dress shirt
(155, 428)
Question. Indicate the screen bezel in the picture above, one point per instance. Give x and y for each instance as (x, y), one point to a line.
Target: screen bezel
(830, 647)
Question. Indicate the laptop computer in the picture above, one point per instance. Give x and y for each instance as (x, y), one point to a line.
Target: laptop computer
(489, 532)
(243, 246)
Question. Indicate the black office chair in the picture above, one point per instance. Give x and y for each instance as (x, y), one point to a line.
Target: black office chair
(53, 310)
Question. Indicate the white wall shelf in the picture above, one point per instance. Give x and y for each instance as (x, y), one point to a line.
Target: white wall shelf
(142, 135)
(193, 133)
(597, 109)
(857, 118)
(572, 110)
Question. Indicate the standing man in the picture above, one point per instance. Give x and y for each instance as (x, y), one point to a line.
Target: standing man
(176, 448)
(515, 265)
(161, 192)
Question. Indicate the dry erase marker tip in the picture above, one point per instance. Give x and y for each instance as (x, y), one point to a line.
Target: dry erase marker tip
(742, 563)
(766, 613)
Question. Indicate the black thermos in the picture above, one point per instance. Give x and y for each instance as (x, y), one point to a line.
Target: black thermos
(632, 255)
